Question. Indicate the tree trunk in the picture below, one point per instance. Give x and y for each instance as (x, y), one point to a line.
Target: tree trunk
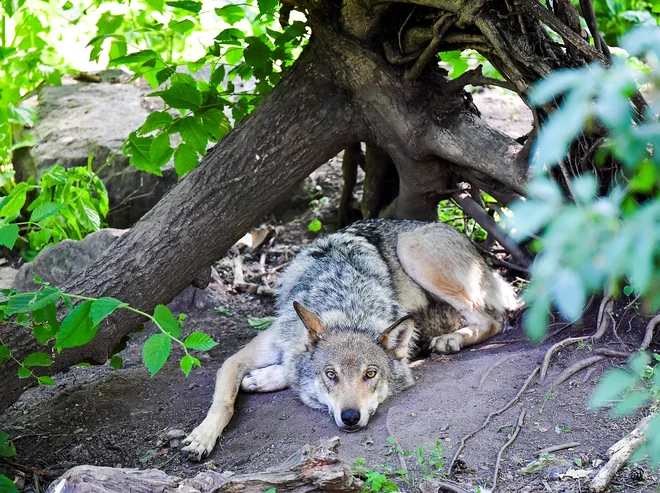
(304, 122)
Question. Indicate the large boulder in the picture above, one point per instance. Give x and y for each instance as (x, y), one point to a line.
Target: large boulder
(78, 119)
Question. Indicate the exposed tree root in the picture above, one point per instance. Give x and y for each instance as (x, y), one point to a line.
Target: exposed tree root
(619, 454)
(648, 336)
(519, 425)
(573, 369)
(491, 416)
(603, 326)
(499, 362)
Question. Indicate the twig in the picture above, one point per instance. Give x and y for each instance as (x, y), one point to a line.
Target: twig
(587, 376)
(499, 362)
(519, 425)
(498, 260)
(491, 416)
(648, 336)
(619, 454)
(557, 448)
(388, 427)
(573, 369)
(451, 488)
(440, 28)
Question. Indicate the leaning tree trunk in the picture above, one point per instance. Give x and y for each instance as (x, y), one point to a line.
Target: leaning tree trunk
(349, 85)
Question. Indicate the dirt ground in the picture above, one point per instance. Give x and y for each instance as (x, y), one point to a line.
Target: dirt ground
(123, 418)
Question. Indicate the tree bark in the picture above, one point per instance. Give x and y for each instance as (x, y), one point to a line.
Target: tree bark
(303, 123)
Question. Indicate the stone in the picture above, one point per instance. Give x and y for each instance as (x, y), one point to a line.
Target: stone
(7, 275)
(78, 119)
(57, 263)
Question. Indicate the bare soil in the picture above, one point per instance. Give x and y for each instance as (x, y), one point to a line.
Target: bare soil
(121, 418)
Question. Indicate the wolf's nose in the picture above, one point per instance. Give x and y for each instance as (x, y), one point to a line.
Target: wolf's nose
(350, 417)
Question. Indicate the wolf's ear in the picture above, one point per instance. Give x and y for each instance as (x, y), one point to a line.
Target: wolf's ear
(397, 336)
(311, 321)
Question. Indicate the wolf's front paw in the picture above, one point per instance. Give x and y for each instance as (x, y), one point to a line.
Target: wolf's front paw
(448, 343)
(202, 440)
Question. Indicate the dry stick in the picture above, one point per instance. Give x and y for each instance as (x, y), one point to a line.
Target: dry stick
(573, 369)
(499, 362)
(521, 419)
(557, 448)
(587, 376)
(451, 488)
(491, 416)
(648, 336)
(399, 448)
(619, 454)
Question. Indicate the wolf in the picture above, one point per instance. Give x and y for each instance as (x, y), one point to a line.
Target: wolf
(352, 310)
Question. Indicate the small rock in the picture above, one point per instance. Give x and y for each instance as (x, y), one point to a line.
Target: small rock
(174, 433)
(175, 443)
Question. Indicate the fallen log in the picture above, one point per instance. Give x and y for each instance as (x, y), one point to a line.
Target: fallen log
(315, 467)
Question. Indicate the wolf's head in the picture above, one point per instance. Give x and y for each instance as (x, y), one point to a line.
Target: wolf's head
(353, 371)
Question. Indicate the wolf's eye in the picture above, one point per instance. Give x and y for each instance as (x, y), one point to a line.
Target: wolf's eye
(370, 373)
(330, 374)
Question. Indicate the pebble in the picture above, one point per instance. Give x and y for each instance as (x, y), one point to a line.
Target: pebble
(174, 433)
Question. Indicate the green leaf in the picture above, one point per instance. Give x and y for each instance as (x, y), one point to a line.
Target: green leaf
(216, 123)
(158, 5)
(4, 353)
(24, 372)
(139, 57)
(15, 202)
(569, 293)
(167, 322)
(199, 341)
(156, 120)
(193, 133)
(614, 383)
(181, 95)
(8, 235)
(103, 308)
(628, 290)
(187, 362)
(231, 14)
(155, 352)
(77, 328)
(182, 27)
(38, 359)
(43, 331)
(554, 85)
(45, 380)
(160, 151)
(260, 323)
(267, 6)
(188, 5)
(28, 302)
(116, 362)
(139, 150)
(45, 210)
(7, 448)
(631, 403)
(6, 484)
(315, 226)
(185, 159)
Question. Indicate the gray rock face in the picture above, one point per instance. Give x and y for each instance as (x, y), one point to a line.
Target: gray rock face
(59, 262)
(79, 119)
(7, 275)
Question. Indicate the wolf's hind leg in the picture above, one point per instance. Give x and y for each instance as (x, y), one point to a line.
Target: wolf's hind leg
(268, 379)
(260, 352)
(443, 263)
